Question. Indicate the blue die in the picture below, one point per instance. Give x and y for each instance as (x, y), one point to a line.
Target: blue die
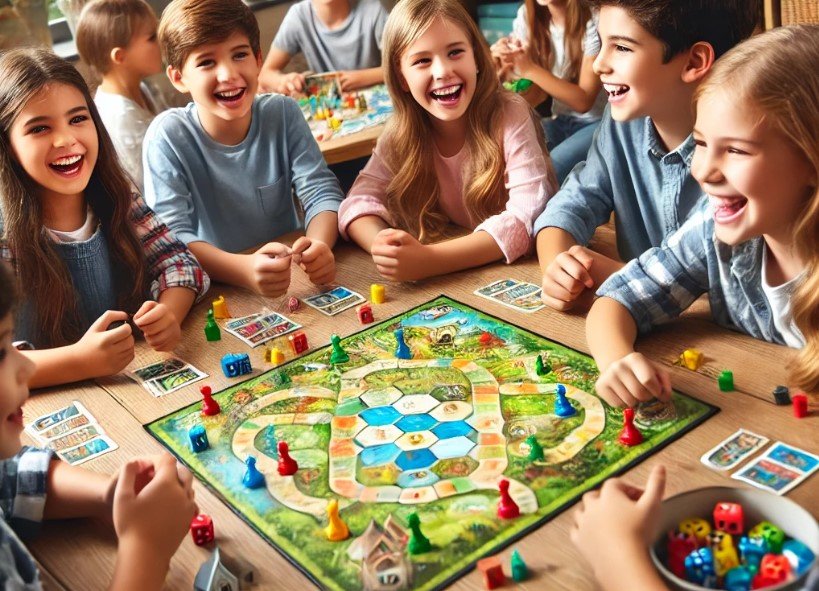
(752, 550)
(699, 568)
(799, 555)
(738, 579)
(199, 438)
(236, 364)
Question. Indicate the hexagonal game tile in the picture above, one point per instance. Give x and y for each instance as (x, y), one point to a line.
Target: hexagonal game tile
(415, 404)
(383, 415)
(416, 440)
(449, 430)
(382, 397)
(380, 454)
(452, 411)
(411, 423)
(415, 460)
(417, 478)
(372, 436)
(452, 448)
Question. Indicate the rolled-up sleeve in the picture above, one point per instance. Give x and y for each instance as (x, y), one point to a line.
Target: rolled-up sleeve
(23, 489)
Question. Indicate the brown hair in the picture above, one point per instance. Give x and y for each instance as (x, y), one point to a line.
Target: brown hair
(775, 75)
(538, 19)
(188, 24)
(412, 196)
(48, 286)
(107, 24)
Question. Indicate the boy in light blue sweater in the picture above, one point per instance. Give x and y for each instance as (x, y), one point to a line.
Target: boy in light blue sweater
(220, 172)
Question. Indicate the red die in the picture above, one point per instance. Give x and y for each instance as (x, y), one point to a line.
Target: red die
(298, 342)
(680, 545)
(365, 313)
(202, 529)
(728, 517)
(773, 569)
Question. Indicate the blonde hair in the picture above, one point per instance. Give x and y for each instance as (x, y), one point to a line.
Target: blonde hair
(412, 196)
(538, 19)
(775, 74)
(107, 24)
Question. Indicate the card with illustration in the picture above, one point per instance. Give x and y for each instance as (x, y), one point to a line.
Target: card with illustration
(174, 381)
(520, 296)
(88, 450)
(793, 457)
(334, 301)
(258, 328)
(160, 368)
(733, 450)
(61, 429)
(768, 475)
(75, 438)
(47, 421)
(496, 287)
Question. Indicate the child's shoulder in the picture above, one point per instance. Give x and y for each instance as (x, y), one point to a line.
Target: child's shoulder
(172, 121)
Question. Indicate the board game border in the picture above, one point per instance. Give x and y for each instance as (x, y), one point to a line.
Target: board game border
(711, 410)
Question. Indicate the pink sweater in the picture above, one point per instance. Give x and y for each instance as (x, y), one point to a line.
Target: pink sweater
(526, 181)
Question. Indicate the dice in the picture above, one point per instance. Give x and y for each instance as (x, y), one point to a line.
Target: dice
(202, 529)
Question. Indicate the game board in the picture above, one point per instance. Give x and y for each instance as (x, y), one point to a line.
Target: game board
(433, 434)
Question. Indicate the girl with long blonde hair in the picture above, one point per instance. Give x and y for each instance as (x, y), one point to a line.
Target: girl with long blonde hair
(753, 245)
(553, 44)
(459, 149)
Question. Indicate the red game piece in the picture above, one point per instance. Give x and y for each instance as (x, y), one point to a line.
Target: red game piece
(292, 304)
(202, 529)
(630, 435)
(773, 569)
(492, 571)
(365, 313)
(485, 338)
(209, 406)
(680, 545)
(507, 508)
(298, 342)
(728, 517)
(800, 405)
(287, 465)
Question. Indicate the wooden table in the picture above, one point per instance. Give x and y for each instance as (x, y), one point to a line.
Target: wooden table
(123, 407)
(352, 146)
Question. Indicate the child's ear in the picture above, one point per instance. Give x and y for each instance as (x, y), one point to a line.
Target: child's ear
(259, 60)
(700, 60)
(175, 76)
(117, 55)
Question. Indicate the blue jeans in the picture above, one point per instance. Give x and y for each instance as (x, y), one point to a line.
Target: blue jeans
(568, 140)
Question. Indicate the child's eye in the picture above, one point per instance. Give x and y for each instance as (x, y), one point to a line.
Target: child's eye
(456, 52)
(205, 64)
(421, 61)
(240, 55)
(78, 119)
(732, 150)
(622, 48)
(699, 143)
(37, 129)
(152, 38)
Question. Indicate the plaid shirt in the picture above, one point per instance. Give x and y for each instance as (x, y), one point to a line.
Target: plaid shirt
(664, 281)
(170, 263)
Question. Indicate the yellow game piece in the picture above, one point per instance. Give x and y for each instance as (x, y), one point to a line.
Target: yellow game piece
(274, 356)
(336, 530)
(692, 359)
(335, 124)
(220, 309)
(377, 293)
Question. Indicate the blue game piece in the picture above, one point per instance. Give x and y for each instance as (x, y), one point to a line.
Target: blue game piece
(402, 351)
(236, 364)
(751, 550)
(252, 478)
(563, 408)
(699, 568)
(798, 554)
(738, 578)
(199, 438)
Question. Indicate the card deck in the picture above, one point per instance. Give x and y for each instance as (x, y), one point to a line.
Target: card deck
(518, 295)
(160, 368)
(88, 450)
(73, 433)
(47, 421)
(733, 450)
(781, 468)
(75, 438)
(793, 457)
(174, 381)
(259, 328)
(334, 301)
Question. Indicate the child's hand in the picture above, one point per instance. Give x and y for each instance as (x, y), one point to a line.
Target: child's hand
(159, 325)
(566, 277)
(316, 259)
(292, 83)
(105, 352)
(352, 80)
(521, 61)
(269, 269)
(633, 379)
(613, 527)
(399, 256)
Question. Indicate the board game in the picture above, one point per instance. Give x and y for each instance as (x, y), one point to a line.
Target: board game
(434, 435)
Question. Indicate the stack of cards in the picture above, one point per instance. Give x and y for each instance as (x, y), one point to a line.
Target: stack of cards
(169, 375)
(73, 433)
(520, 296)
(259, 328)
(334, 301)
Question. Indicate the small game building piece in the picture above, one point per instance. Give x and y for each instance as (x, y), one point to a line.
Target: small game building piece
(692, 359)
(202, 529)
(287, 465)
(630, 435)
(726, 380)
(336, 529)
(402, 351)
(377, 293)
(274, 355)
(418, 542)
(252, 477)
(773, 569)
(293, 304)
(236, 364)
(209, 406)
(485, 338)
(492, 572)
(298, 342)
(563, 408)
(338, 355)
(213, 575)
(781, 395)
(728, 517)
(507, 507)
(212, 332)
(365, 313)
(198, 438)
(535, 449)
(519, 569)
(220, 309)
(800, 405)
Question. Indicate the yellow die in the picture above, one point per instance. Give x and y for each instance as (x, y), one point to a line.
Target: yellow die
(697, 527)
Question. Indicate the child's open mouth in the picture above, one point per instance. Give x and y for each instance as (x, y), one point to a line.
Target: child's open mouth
(727, 209)
(16, 417)
(447, 95)
(230, 97)
(69, 165)
(616, 92)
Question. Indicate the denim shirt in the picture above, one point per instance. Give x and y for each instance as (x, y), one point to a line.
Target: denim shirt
(627, 171)
(660, 284)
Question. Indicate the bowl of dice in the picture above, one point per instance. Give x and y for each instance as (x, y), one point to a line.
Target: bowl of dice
(736, 539)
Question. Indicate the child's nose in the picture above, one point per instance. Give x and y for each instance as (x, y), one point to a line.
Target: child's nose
(705, 168)
(64, 138)
(224, 72)
(600, 65)
(440, 68)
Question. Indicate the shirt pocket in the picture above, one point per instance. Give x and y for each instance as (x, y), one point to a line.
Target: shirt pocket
(276, 201)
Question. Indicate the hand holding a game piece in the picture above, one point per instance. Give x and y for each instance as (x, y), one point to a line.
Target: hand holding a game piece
(567, 277)
(159, 326)
(613, 528)
(103, 351)
(399, 256)
(316, 259)
(633, 379)
(291, 83)
(269, 269)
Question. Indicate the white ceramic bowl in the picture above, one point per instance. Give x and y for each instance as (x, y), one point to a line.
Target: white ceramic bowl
(757, 505)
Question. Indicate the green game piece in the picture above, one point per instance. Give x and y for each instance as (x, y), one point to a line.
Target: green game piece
(519, 569)
(338, 355)
(418, 542)
(281, 379)
(726, 380)
(542, 367)
(535, 449)
(212, 332)
(519, 85)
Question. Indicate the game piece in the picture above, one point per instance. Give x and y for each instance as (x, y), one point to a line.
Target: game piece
(725, 556)
(339, 355)
(799, 555)
(281, 379)
(519, 569)
(535, 449)
(402, 351)
(298, 342)
(692, 359)
(209, 406)
(507, 508)
(252, 478)
(726, 380)
(492, 572)
(699, 567)
(362, 103)
(485, 338)
(365, 313)
(293, 304)
(236, 364)
(336, 529)
(199, 438)
(418, 542)
(377, 293)
(213, 575)
(751, 550)
(800, 405)
(542, 367)
(728, 517)
(738, 578)
(274, 355)
(220, 309)
(781, 395)
(202, 529)
(212, 332)
(563, 408)
(773, 569)
(335, 123)
(772, 535)
(630, 435)
(287, 465)
(679, 546)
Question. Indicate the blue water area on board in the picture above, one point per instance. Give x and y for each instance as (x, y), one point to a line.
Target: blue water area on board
(412, 460)
(415, 423)
(453, 429)
(381, 415)
(379, 454)
(417, 478)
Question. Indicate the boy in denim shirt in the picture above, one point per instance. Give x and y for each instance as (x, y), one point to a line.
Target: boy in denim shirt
(653, 55)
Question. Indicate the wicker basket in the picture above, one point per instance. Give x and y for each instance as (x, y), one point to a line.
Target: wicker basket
(799, 12)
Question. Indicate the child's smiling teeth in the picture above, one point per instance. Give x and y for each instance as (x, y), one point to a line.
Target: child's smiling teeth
(447, 93)
(616, 89)
(230, 95)
(67, 164)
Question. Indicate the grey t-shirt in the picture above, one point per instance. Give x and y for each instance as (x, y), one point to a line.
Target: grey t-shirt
(355, 45)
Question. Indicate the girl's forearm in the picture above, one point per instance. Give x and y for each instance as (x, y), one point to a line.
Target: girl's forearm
(76, 492)
(363, 230)
(324, 227)
(473, 250)
(60, 365)
(179, 301)
(610, 332)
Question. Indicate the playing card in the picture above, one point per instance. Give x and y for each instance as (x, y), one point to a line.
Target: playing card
(523, 297)
(733, 450)
(89, 449)
(334, 301)
(160, 368)
(174, 381)
(61, 429)
(258, 328)
(496, 287)
(58, 416)
(768, 475)
(793, 457)
(75, 438)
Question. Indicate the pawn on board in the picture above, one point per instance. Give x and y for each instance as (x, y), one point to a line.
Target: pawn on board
(336, 529)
